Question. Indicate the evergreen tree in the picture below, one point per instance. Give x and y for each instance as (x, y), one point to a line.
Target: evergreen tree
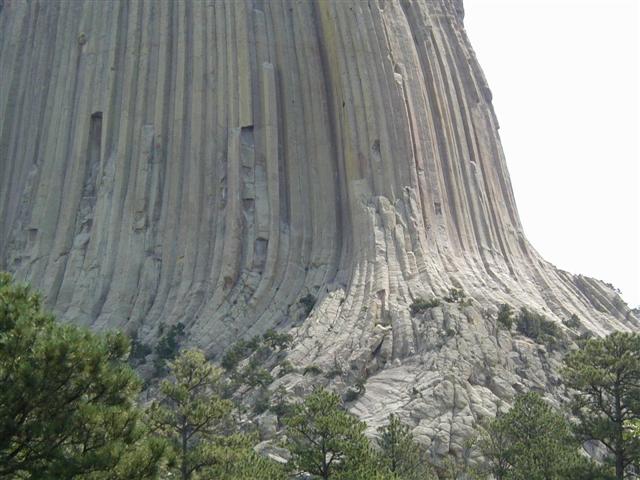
(67, 398)
(198, 423)
(633, 433)
(326, 441)
(606, 375)
(238, 461)
(399, 452)
(495, 444)
(531, 442)
(191, 414)
(505, 316)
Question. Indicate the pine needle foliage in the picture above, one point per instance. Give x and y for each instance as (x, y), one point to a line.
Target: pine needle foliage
(400, 453)
(67, 398)
(326, 441)
(605, 375)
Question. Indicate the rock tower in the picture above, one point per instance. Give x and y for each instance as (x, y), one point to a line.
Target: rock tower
(309, 165)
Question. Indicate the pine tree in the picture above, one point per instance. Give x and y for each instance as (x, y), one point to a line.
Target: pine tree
(531, 442)
(495, 444)
(198, 423)
(67, 398)
(326, 441)
(633, 428)
(633, 433)
(606, 376)
(400, 453)
(191, 414)
(236, 460)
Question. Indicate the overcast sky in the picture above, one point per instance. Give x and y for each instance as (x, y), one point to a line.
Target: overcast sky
(565, 83)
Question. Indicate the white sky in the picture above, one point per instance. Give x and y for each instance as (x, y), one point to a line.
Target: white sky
(565, 83)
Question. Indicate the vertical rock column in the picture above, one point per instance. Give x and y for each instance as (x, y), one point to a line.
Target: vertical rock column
(213, 162)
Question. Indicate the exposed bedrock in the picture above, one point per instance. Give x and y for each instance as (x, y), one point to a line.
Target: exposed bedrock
(213, 162)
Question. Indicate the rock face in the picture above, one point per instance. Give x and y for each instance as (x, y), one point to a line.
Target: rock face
(214, 162)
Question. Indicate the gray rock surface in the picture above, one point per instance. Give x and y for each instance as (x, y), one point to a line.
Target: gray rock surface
(213, 162)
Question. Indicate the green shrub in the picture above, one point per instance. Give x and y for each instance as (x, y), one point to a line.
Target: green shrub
(139, 350)
(262, 353)
(312, 369)
(573, 322)
(254, 375)
(285, 368)
(168, 346)
(281, 408)
(532, 441)
(401, 454)
(356, 391)
(505, 316)
(351, 394)
(456, 295)
(538, 328)
(277, 341)
(584, 337)
(280, 405)
(308, 302)
(233, 356)
(420, 305)
(239, 351)
(319, 429)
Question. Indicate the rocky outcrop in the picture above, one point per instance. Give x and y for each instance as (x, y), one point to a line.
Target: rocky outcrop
(216, 162)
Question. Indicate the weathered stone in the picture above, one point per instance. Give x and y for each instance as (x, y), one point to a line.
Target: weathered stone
(267, 425)
(273, 451)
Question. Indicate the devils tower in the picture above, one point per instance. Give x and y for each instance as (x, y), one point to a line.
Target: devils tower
(314, 166)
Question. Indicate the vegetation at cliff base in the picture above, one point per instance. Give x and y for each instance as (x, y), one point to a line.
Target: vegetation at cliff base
(538, 328)
(70, 408)
(67, 398)
(605, 375)
(532, 441)
(199, 427)
(329, 443)
(505, 316)
(323, 439)
(400, 454)
(421, 305)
